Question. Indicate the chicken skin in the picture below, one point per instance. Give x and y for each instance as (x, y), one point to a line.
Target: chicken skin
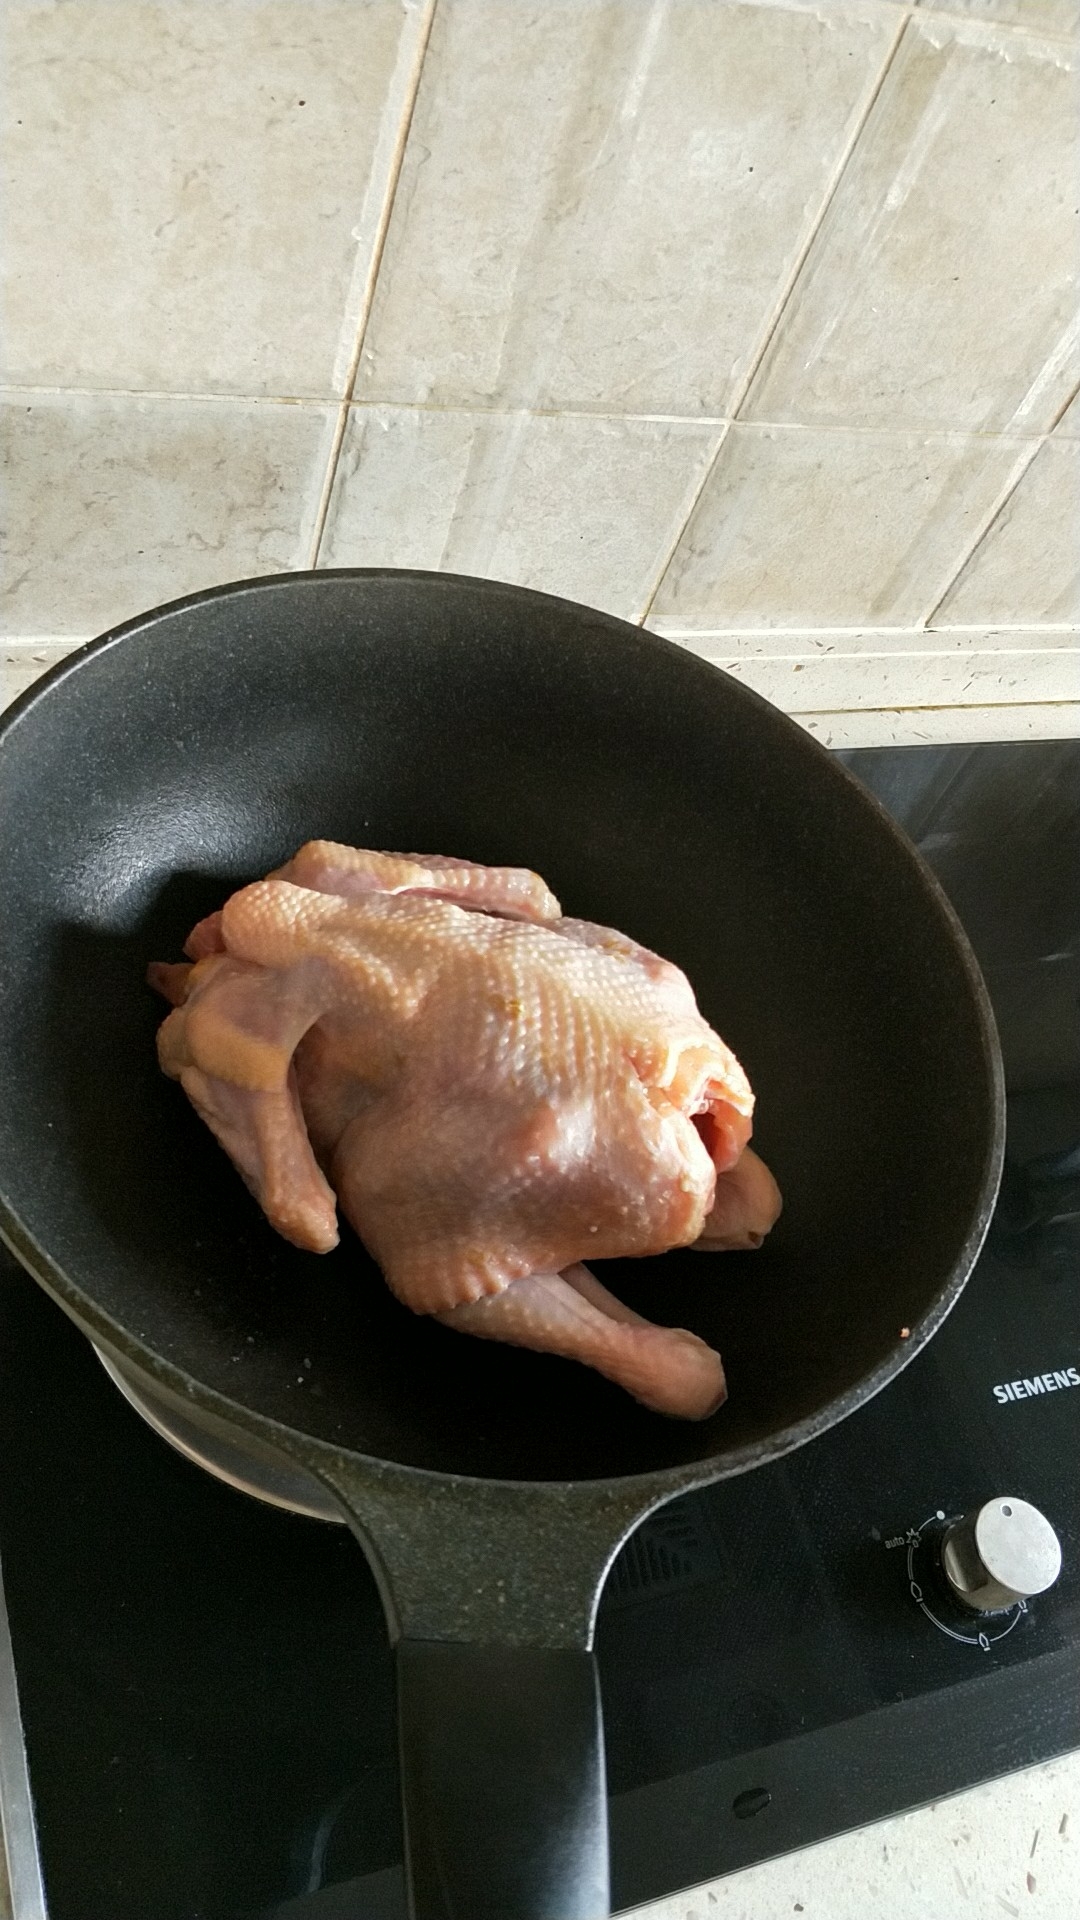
(493, 1093)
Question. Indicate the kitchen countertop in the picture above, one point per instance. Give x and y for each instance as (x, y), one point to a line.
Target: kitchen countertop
(1011, 1847)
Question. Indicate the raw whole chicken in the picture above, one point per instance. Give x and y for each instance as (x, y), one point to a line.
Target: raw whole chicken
(493, 1093)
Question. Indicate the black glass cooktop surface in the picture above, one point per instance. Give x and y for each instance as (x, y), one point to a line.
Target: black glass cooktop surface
(205, 1682)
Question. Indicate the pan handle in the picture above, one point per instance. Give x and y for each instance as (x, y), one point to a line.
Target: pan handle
(503, 1790)
(490, 1590)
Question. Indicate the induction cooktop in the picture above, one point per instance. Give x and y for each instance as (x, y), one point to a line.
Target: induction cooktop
(207, 1711)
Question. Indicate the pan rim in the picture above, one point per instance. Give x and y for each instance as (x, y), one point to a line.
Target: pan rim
(656, 1484)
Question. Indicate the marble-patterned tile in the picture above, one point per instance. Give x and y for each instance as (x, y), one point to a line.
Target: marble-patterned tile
(802, 527)
(943, 727)
(22, 664)
(1041, 16)
(116, 504)
(1027, 567)
(600, 201)
(190, 186)
(919, 673)
(575, 504)
(945, 275)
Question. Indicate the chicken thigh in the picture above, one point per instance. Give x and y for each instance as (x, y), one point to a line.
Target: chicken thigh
(492, 1092)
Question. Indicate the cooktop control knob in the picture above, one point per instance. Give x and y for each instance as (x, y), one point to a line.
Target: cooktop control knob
(1000, 1553)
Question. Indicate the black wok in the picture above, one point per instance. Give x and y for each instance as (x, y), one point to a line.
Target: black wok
(490, 1488)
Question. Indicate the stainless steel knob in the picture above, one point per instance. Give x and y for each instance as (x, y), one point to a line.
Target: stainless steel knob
(1000, 1553)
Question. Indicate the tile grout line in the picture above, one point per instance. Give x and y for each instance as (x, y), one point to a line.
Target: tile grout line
(11, 390)
(673, 547)
(330, 403)
(1060, 415)
(780, 304)
(939, 706)
(670, 623)
(397, 159)
(1000, 636)
(832, 187)
(1001, 500)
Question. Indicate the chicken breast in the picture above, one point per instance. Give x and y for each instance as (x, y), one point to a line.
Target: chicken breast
(491, 1092)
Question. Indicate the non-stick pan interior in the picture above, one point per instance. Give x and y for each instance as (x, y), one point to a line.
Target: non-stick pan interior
(427, 713)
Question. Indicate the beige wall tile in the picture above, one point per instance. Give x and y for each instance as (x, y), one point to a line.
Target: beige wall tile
(943, 726)
(1042, 16)
(20, 666)
(600, 200)
(945, 274)
(574, 504)
(852, 643)
(896, 678)
(804, 528)
(1028, 566)
(115, 505)
(846, 670)
(183, 182)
